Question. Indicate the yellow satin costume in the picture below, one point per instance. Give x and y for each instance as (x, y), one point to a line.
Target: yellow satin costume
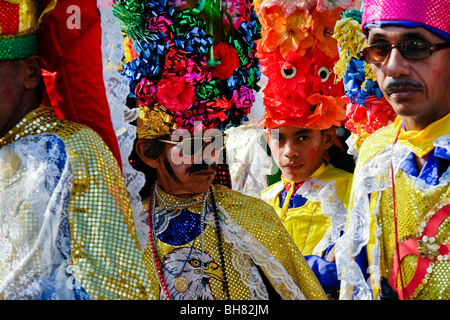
(253, 236)
(105, 259)
(307, 224)
(422, 237)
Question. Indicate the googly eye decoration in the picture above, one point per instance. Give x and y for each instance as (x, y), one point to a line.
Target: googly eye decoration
(323, 73)
(289, 73)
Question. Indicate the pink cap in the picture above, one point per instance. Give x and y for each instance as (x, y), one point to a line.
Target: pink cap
(432, 13)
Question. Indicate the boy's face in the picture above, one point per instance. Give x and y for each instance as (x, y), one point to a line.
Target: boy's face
(299, 152)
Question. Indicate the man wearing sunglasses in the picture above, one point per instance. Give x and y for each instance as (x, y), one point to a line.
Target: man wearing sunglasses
(203, 241)
(399, 204)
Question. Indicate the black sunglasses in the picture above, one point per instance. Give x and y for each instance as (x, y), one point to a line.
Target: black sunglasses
(410, 50)
(192, 146)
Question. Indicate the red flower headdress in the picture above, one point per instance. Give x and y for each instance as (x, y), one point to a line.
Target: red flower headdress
(297, 54)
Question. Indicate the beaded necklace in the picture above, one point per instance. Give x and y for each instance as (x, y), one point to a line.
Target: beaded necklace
(394, 209)
(152, 236)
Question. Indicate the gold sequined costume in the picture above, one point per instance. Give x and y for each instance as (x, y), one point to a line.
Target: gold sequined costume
(422, 217)
(65, 222)
(254, 241)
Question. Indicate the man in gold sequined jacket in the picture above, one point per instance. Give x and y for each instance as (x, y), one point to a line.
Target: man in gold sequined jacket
(399, 202)
(193, 75)
(65, 220)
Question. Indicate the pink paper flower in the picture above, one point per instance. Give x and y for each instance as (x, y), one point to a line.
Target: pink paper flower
(175, 93)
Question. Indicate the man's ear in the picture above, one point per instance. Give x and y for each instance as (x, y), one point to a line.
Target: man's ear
(330, 136)
(141, 151)
(32, 66)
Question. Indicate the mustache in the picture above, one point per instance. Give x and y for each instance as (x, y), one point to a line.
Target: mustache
(396, 84)
(200, 167)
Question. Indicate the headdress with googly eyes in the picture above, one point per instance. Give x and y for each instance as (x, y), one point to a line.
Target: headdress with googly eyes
(297, 54)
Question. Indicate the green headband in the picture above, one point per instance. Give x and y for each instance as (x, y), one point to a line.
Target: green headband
(21, 47)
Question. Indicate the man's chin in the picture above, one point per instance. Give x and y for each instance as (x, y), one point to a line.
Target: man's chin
(201, 183)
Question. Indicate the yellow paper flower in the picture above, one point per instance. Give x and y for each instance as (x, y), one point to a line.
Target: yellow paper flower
(351, 40)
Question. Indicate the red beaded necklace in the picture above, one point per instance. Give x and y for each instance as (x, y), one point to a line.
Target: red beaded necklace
(395, 211)
(156, 262)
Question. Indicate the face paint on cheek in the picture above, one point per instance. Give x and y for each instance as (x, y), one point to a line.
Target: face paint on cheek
(6, 94)
(170, 170)
(436, 73)
(313, 154)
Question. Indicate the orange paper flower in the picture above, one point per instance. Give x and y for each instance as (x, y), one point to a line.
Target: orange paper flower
(283, 33)
(322, 28)
(328, 112)
(289, 73)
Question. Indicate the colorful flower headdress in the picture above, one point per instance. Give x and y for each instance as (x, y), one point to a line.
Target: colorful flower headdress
(367, 109)
(190, 62)
(297, 54)
(19, 22)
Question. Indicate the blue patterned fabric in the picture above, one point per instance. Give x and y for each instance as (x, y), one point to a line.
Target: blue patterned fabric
(57, 159)
(296, 200)
(181, 229)
(436, 164)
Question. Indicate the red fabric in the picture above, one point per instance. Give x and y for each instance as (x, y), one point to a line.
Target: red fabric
(9, 17)
(410, 246)
(73, 70)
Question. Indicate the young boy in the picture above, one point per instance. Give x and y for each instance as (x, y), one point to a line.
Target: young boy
(303, 108)
(311, 197)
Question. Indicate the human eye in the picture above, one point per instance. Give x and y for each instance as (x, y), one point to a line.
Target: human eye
(415, 45)
(303, 138)
(381, 48)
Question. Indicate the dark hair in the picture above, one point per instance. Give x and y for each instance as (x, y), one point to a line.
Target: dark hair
(153, 148)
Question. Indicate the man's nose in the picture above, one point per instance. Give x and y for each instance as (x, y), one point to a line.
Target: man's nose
(396, 65)
(289, 150)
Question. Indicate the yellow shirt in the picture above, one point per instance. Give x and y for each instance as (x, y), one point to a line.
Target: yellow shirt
(308, 224)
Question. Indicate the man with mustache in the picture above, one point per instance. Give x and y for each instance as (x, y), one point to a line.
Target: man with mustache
(202, 240)
(399, 202)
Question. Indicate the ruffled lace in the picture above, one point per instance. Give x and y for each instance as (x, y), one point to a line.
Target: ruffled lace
(374, 177)
(248, 247)
(330, 205)
(248, 161)
(35, 183)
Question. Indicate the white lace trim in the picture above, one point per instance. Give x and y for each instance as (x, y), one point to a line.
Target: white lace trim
(248, 246)
(273, 192)
(117, 91)
(34, 238)
(330, 205)
(247, 159)
(374, 177)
